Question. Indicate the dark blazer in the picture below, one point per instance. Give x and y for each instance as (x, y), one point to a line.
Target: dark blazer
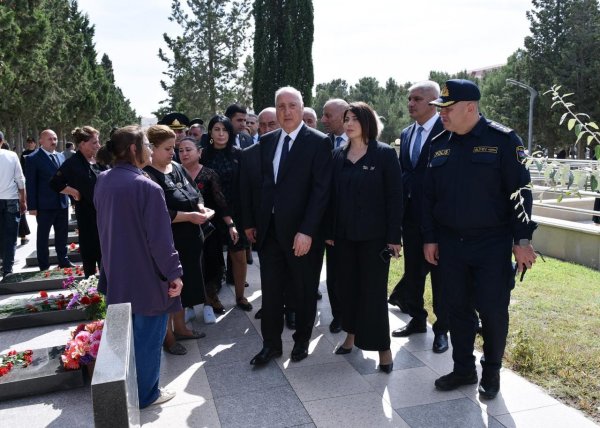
(301, 194)
(414, 177)
(245, 140)
(250, 185)
(38, 172)
(379, 195)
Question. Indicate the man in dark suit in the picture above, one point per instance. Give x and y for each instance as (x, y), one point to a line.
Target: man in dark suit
(415, 141)
(49, 207)
(295, 184)
(237, 115)
(333, 120)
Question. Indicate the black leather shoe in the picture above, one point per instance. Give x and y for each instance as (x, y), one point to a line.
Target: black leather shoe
(258, 314)
(393, 300)
(489, 385)
(386, 368)
(410, 328)
(453, 380)
(342, 351)
(290, 320)
(319, 295)
(440, 343)
(300, 351)
(335, 326)
(265, 355)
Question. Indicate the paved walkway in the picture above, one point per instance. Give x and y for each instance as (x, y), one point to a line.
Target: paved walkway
(217, 387)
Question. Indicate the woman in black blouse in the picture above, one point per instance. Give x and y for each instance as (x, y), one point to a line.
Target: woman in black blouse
(366, 214)
(187, 213)
(209, 185)
(224, 158)
(76, 177)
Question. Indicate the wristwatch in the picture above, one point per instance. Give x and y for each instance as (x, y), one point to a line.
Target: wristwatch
(524, 242)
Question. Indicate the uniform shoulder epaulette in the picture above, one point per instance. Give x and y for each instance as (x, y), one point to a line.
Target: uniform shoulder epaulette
(439, 136)
(499, 127)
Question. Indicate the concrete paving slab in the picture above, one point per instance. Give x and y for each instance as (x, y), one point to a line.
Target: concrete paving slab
(201, 413)
(268, 407)
(516, 394)
(226, 351)
(458, 413)
(367, 362)
(410, 387)
(367, 409)
(326, 381)
(242, 378)
(557, 416)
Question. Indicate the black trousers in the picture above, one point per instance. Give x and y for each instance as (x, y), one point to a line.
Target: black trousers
(332, 289)
(282, 272)
(411, 287)
(89, 242)
(478, 275)
(362, 285)
(59, 219)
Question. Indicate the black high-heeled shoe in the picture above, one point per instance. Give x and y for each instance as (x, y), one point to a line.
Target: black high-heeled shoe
(342, 351)
(386, 368)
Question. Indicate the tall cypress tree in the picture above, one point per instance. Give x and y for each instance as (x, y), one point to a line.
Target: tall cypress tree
(282, 49)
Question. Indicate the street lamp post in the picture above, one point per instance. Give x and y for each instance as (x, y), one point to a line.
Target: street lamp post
(532, 95)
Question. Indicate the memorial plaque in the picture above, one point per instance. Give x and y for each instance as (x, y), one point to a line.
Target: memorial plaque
(45, 374)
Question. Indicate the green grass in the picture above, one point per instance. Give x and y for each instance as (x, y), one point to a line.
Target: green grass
(554, 334)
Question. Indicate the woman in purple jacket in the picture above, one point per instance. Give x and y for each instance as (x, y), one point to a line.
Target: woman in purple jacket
(139, 262)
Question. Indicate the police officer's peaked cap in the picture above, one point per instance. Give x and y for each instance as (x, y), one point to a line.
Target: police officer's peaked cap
(196, 121)
(457, 90)
(175, 121)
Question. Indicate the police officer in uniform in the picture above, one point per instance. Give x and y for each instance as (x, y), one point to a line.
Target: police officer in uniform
(471, 226)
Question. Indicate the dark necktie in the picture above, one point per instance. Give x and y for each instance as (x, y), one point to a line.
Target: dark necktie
(338, 141)
(55, 160)
(284, 151)
(416, 147)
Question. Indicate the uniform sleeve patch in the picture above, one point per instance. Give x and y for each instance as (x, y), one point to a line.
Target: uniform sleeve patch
(444, 152)
(485, 149)
(521, 155)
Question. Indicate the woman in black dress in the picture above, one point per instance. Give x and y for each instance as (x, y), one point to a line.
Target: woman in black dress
(209, 186)
(224, 158)
(366, 214)
(76, 177)
(187, 213)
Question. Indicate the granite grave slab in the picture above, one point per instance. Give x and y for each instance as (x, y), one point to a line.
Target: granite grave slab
(32, 260)
(45, 374)
(114, 385)
(26, 282)
(72, 237)
(36, 319)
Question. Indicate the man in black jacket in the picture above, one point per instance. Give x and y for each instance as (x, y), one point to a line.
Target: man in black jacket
(294, 193)
(415, 141)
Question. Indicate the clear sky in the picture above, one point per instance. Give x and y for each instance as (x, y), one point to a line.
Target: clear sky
(403, 39)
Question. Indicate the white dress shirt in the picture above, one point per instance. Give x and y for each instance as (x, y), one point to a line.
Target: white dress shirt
(11, 175)
(427, 126)
(277, 156)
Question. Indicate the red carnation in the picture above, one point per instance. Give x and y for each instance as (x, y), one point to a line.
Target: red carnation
(43, 294)
(200, 186)
(85, 300)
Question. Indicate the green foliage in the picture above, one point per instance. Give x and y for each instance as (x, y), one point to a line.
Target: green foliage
(49, 76)
(389, 102)
(282, 49)
(203, 63)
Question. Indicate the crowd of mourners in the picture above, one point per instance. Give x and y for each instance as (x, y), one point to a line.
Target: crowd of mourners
(167, 214)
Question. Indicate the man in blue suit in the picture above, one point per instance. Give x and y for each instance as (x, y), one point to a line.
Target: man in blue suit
(415, 141)
(49, 207)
